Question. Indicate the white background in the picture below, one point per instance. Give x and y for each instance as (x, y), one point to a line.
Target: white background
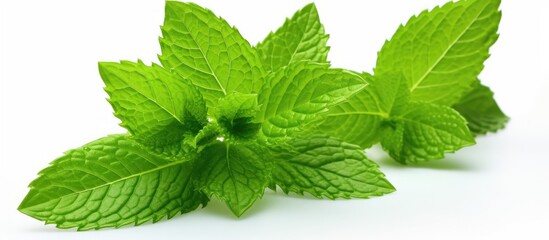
(52, 100)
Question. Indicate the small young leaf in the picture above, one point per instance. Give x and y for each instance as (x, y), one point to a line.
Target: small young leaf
(294, 96)
(424, 132)
(204, 48)
(156, 106)
(236, 113)
(300, 38)
(111, 182)
(207, 135)
(442, 51)
(236, 173)
(325, 167)
(481, 110)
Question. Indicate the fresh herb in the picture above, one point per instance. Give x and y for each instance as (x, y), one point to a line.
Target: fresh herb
(221, 118)
(424, 98)
(209, 122)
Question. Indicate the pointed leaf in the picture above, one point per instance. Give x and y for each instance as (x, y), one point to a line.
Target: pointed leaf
(442, 51)
(325, 167)
(481, 110)
(295, 96)
(156, 106)
(111, 182)
(300, 38)
(204, 48)
(236, 173)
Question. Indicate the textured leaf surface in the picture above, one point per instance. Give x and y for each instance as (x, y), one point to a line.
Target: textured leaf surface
(300, 38)
(207, 135)
(204, 48)
(425, 132)
(236, 173)
(237, 113)
(481, 110)
(358, 119)
(111, 182)
(294, 96)
(442, 51)
(156, 106)
(325, 167)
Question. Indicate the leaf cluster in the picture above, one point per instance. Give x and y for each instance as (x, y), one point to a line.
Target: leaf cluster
(221, 118)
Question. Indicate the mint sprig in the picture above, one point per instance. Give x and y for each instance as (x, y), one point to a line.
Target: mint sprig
(428, 67)
(222, 118)
(209, 122)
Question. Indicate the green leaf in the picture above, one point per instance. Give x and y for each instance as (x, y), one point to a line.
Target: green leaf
(393, 139)
(206, 136)
(425, 131)
(442, 51)
(325, 167)
(156, 106)
(358, 119)
(204, 48)
(294, 97)
(481, 110)
(111, 182)
(236, 113)
(300, 38)
(236, 173)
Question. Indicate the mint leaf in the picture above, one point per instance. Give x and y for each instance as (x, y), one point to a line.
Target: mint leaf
(206, 136)
(294, 96)
(425, 131)
(111, 182)
(236, 113)
(325, 167)
(278, 115)
(442, 51)
(300, 38)
(480, 109)
(205, 49)
(358, 119)
(236, 173)
(156, 106)
(409, 131)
